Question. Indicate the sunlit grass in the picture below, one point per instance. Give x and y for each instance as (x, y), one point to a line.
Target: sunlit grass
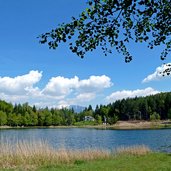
(133, 150)
(39, 155)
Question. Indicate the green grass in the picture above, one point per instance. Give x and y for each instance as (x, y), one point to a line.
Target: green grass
(86, 123)
(148, 162)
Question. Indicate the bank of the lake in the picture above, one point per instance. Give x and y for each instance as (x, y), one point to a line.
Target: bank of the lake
(118, 162)
(134, 124)
(39, 156)
(138, 124)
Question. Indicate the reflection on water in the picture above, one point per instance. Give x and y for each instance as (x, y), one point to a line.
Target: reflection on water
(81, 138)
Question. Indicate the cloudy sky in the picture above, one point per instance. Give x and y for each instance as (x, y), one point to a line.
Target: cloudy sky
(30, 72)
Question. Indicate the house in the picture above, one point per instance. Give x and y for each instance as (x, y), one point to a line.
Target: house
(89, 118)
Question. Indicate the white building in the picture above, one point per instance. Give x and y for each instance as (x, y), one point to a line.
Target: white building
(89, 118)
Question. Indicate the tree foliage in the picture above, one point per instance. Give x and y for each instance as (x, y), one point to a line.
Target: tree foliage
(152, 107)
(112, 24)
(3, 118)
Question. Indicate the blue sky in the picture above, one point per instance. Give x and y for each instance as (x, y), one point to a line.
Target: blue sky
(30, 72)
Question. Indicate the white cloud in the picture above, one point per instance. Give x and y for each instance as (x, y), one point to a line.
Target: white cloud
(85, 97)
(19, 85)
(95, 83)
(13, 98)
(61, 91)
(58, 86)
(80, 99)
(64, 86)
(118, 95)
(58, 92)
(81, 91)
(157, 75)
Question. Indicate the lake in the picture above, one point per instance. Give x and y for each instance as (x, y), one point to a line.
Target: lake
(81, 138)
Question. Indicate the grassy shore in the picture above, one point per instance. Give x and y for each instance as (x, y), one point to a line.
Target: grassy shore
(139, 124)
(40, 156)
(134, 124)
(149, 162)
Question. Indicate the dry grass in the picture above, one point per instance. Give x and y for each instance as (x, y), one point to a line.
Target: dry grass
(39, 153)
(133, 150)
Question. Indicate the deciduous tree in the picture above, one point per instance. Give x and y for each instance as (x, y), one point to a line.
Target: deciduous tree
(112, 24)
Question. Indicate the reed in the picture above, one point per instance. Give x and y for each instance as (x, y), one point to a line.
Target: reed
(39, 153)
(133, 150)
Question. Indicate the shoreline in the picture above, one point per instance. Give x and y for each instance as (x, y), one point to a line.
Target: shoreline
(120, 125)
(38, 155)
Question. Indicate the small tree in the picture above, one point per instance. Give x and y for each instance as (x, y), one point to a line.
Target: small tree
(33, 118)
(112, 120)
(155, 116)
(99, 119)
(56, 118)
(115, 118)
(3, 118)
(48, 117)
(41, 118)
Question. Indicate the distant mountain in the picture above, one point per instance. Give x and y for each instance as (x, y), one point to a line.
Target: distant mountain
(77, 108)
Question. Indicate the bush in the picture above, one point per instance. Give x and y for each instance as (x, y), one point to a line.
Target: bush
(155, 116)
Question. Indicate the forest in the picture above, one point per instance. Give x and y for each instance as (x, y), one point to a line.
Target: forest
(153, 107)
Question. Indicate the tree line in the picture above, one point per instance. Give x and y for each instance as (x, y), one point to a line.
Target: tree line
(153, 107)
(25, 115)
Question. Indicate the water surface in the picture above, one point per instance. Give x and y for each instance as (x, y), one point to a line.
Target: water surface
(81, 138)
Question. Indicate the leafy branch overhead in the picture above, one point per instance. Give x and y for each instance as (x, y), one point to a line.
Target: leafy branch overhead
(112, 24)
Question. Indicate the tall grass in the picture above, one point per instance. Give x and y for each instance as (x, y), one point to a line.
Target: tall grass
(34, 154)
(133, 150)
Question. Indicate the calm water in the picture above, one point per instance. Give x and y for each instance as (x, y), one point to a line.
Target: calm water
(80, 138)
